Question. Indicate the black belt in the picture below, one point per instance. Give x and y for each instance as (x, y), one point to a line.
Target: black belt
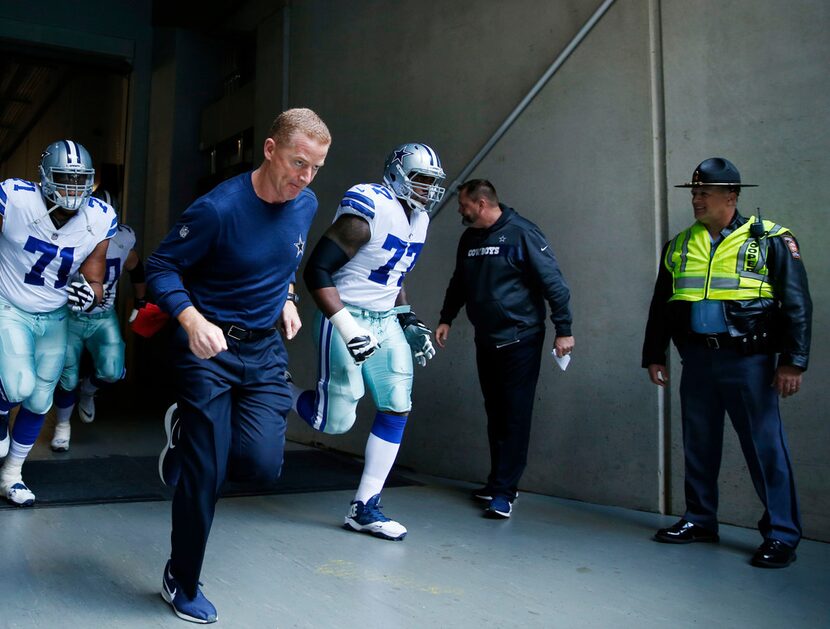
(715, 341)
(237, 333)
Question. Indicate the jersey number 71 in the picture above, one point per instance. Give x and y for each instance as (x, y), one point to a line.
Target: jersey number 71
(48, 252)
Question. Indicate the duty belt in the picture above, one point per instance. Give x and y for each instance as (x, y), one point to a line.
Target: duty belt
(238, 333)
(714, 341)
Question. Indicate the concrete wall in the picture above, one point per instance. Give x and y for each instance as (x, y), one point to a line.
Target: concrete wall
(586, 162)
(186, 78)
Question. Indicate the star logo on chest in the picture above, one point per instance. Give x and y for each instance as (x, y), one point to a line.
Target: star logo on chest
(300, 244)
(502, 239)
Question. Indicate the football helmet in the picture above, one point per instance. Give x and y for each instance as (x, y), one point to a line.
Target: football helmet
(66, 174)
(401, 173)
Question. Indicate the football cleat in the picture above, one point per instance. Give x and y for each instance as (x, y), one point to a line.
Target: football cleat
(86, 408)
(60, 441)
(368, 518)
(499, 508)
(198, 609)
(169, 463)
(17, 493)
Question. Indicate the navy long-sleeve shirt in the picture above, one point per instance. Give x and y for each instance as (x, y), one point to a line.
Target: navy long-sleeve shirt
(232, 255)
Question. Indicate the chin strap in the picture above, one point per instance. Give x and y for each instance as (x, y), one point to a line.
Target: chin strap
(49, 211)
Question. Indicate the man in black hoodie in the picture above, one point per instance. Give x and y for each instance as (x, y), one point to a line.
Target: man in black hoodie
(505, 271)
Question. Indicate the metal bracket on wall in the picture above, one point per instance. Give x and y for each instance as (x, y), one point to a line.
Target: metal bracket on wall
(517, 111)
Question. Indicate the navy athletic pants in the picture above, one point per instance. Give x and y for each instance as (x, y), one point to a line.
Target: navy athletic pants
(508, 377)
(718, 381)
(232, 410)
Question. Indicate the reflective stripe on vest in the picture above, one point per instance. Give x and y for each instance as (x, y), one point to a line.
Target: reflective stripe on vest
(738, 269)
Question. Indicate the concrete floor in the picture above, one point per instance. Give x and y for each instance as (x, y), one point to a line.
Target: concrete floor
(284, 561)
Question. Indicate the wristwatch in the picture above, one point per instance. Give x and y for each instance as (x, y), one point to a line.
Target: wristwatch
(293, 297)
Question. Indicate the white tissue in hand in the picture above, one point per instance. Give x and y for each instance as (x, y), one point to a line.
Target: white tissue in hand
(562, 361)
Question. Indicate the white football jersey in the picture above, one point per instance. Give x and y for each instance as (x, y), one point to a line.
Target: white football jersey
(373, 278)
(119, 248)
(37, 260)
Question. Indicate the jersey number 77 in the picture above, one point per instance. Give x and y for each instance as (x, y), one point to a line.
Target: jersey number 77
(399, 249)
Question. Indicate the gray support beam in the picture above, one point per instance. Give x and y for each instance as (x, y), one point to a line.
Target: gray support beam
(658, 122)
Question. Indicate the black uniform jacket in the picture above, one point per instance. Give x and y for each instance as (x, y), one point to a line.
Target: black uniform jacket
(504, 274)
(786, 318)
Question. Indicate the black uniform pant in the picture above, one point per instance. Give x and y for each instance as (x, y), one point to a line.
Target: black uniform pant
(718, 381)
(233, 408)
(508, 377)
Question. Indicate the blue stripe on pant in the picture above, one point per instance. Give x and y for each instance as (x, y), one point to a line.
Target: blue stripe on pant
(721, 381)
(508, 378)
(233, 410)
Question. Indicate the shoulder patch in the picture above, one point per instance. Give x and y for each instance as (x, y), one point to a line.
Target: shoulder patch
(792, 245)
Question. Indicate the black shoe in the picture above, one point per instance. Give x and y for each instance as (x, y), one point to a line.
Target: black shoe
(773, 554)
(684, 532)
(485, 494)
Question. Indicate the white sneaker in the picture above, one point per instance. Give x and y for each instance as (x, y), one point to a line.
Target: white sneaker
(368, 518)
(17, 493)
(60, 442)
(86, 408)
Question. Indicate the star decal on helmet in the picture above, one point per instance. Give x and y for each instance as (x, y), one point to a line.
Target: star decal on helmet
(300, 244)
(400, 154)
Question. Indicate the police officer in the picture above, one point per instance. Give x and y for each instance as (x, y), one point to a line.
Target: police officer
(505, 271)
(732, 294)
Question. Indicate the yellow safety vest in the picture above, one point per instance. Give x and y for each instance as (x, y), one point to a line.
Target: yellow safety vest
(737, 270)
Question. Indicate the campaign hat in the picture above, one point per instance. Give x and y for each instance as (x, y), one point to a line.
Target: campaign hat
(716, 171)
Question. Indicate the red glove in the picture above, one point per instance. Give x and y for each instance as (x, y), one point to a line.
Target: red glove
(148, 320)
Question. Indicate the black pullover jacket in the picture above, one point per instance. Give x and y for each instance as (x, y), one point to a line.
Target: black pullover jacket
(503, 275)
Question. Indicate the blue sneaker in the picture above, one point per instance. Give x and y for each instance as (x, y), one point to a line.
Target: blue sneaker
(500, 507)
(368, 518)
(197, 609)
(169, 464)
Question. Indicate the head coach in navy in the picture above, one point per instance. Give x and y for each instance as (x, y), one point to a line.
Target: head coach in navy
(732, 294)
(225, 272)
